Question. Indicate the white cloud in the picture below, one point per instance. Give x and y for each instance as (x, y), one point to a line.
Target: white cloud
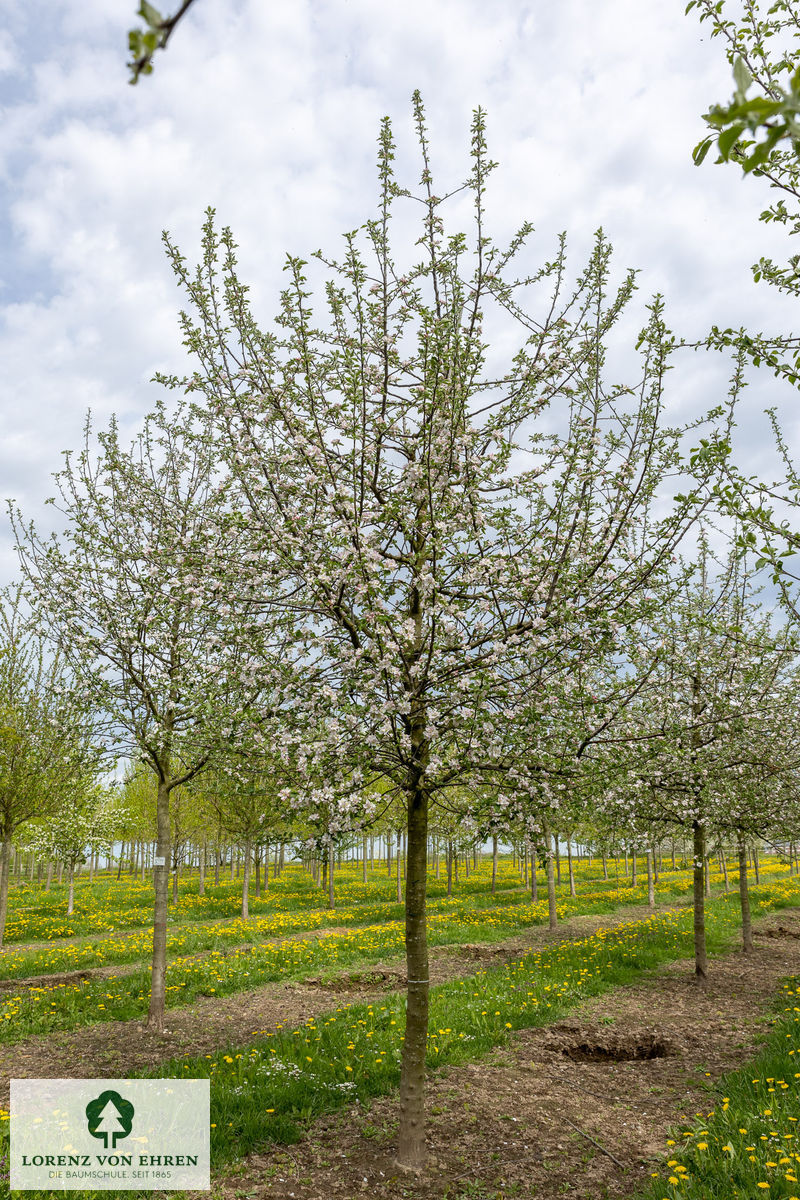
(270, 112)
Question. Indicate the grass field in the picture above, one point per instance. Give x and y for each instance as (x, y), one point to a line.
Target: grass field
(270, 1089)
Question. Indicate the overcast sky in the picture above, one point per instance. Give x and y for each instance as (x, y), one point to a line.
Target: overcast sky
(269, 110)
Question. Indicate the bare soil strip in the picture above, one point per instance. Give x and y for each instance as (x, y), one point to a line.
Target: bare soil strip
(578, 1108)
(114, 1049)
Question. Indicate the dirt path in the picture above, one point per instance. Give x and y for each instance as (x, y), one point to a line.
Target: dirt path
(117, 1048)
(569, 1109)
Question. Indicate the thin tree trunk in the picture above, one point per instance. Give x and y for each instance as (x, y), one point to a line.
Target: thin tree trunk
(71, 894)
(551, 881)
(494, 863)
(411, 1137)
(744, 900)
(331, 893)
(700, 955)
(158, 981)
(756, 865)
(201, 885)
(398, 864)
(364, 859)
(651, 891)
(605, 866)
(5, 868)
(724, 869)
(571, 869)
(449, 868)
(49, 879)
(246, 879)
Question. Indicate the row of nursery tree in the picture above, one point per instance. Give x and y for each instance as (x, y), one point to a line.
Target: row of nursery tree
(414, 548)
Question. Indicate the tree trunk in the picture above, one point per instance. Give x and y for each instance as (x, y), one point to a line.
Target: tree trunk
(48, 881)
(364, 859)
(399, 856)
(411, 1135)
(246, 881)
(651, 891)
(551, 880)
(700, 956)
(571, 869)
(71, 895)
(605, 866)
(121, 856)
(331, 893)
(201, 885)
(744, 900)
(494, 863)
(216, 865)
(634, 868)
(5, 869)
(558, 859)
(158, 982)
(756, 865)
(257, 855)
(449, 868)
(724, 869)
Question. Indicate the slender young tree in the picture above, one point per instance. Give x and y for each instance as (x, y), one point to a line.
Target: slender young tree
(141, 587)
(713, 721)
(48, 742)
(435, 515)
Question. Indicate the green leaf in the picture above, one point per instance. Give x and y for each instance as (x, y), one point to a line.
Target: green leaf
(150, 14)
(741, 75)
(728, 138)
(701, 150)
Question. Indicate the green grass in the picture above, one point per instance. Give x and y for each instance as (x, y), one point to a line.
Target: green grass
(748, 1145)
(269, 1090)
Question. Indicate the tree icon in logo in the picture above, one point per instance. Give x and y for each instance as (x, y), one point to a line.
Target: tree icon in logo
(109, 1117)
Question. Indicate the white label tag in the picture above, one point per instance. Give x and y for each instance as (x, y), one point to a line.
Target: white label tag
(159, 860)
